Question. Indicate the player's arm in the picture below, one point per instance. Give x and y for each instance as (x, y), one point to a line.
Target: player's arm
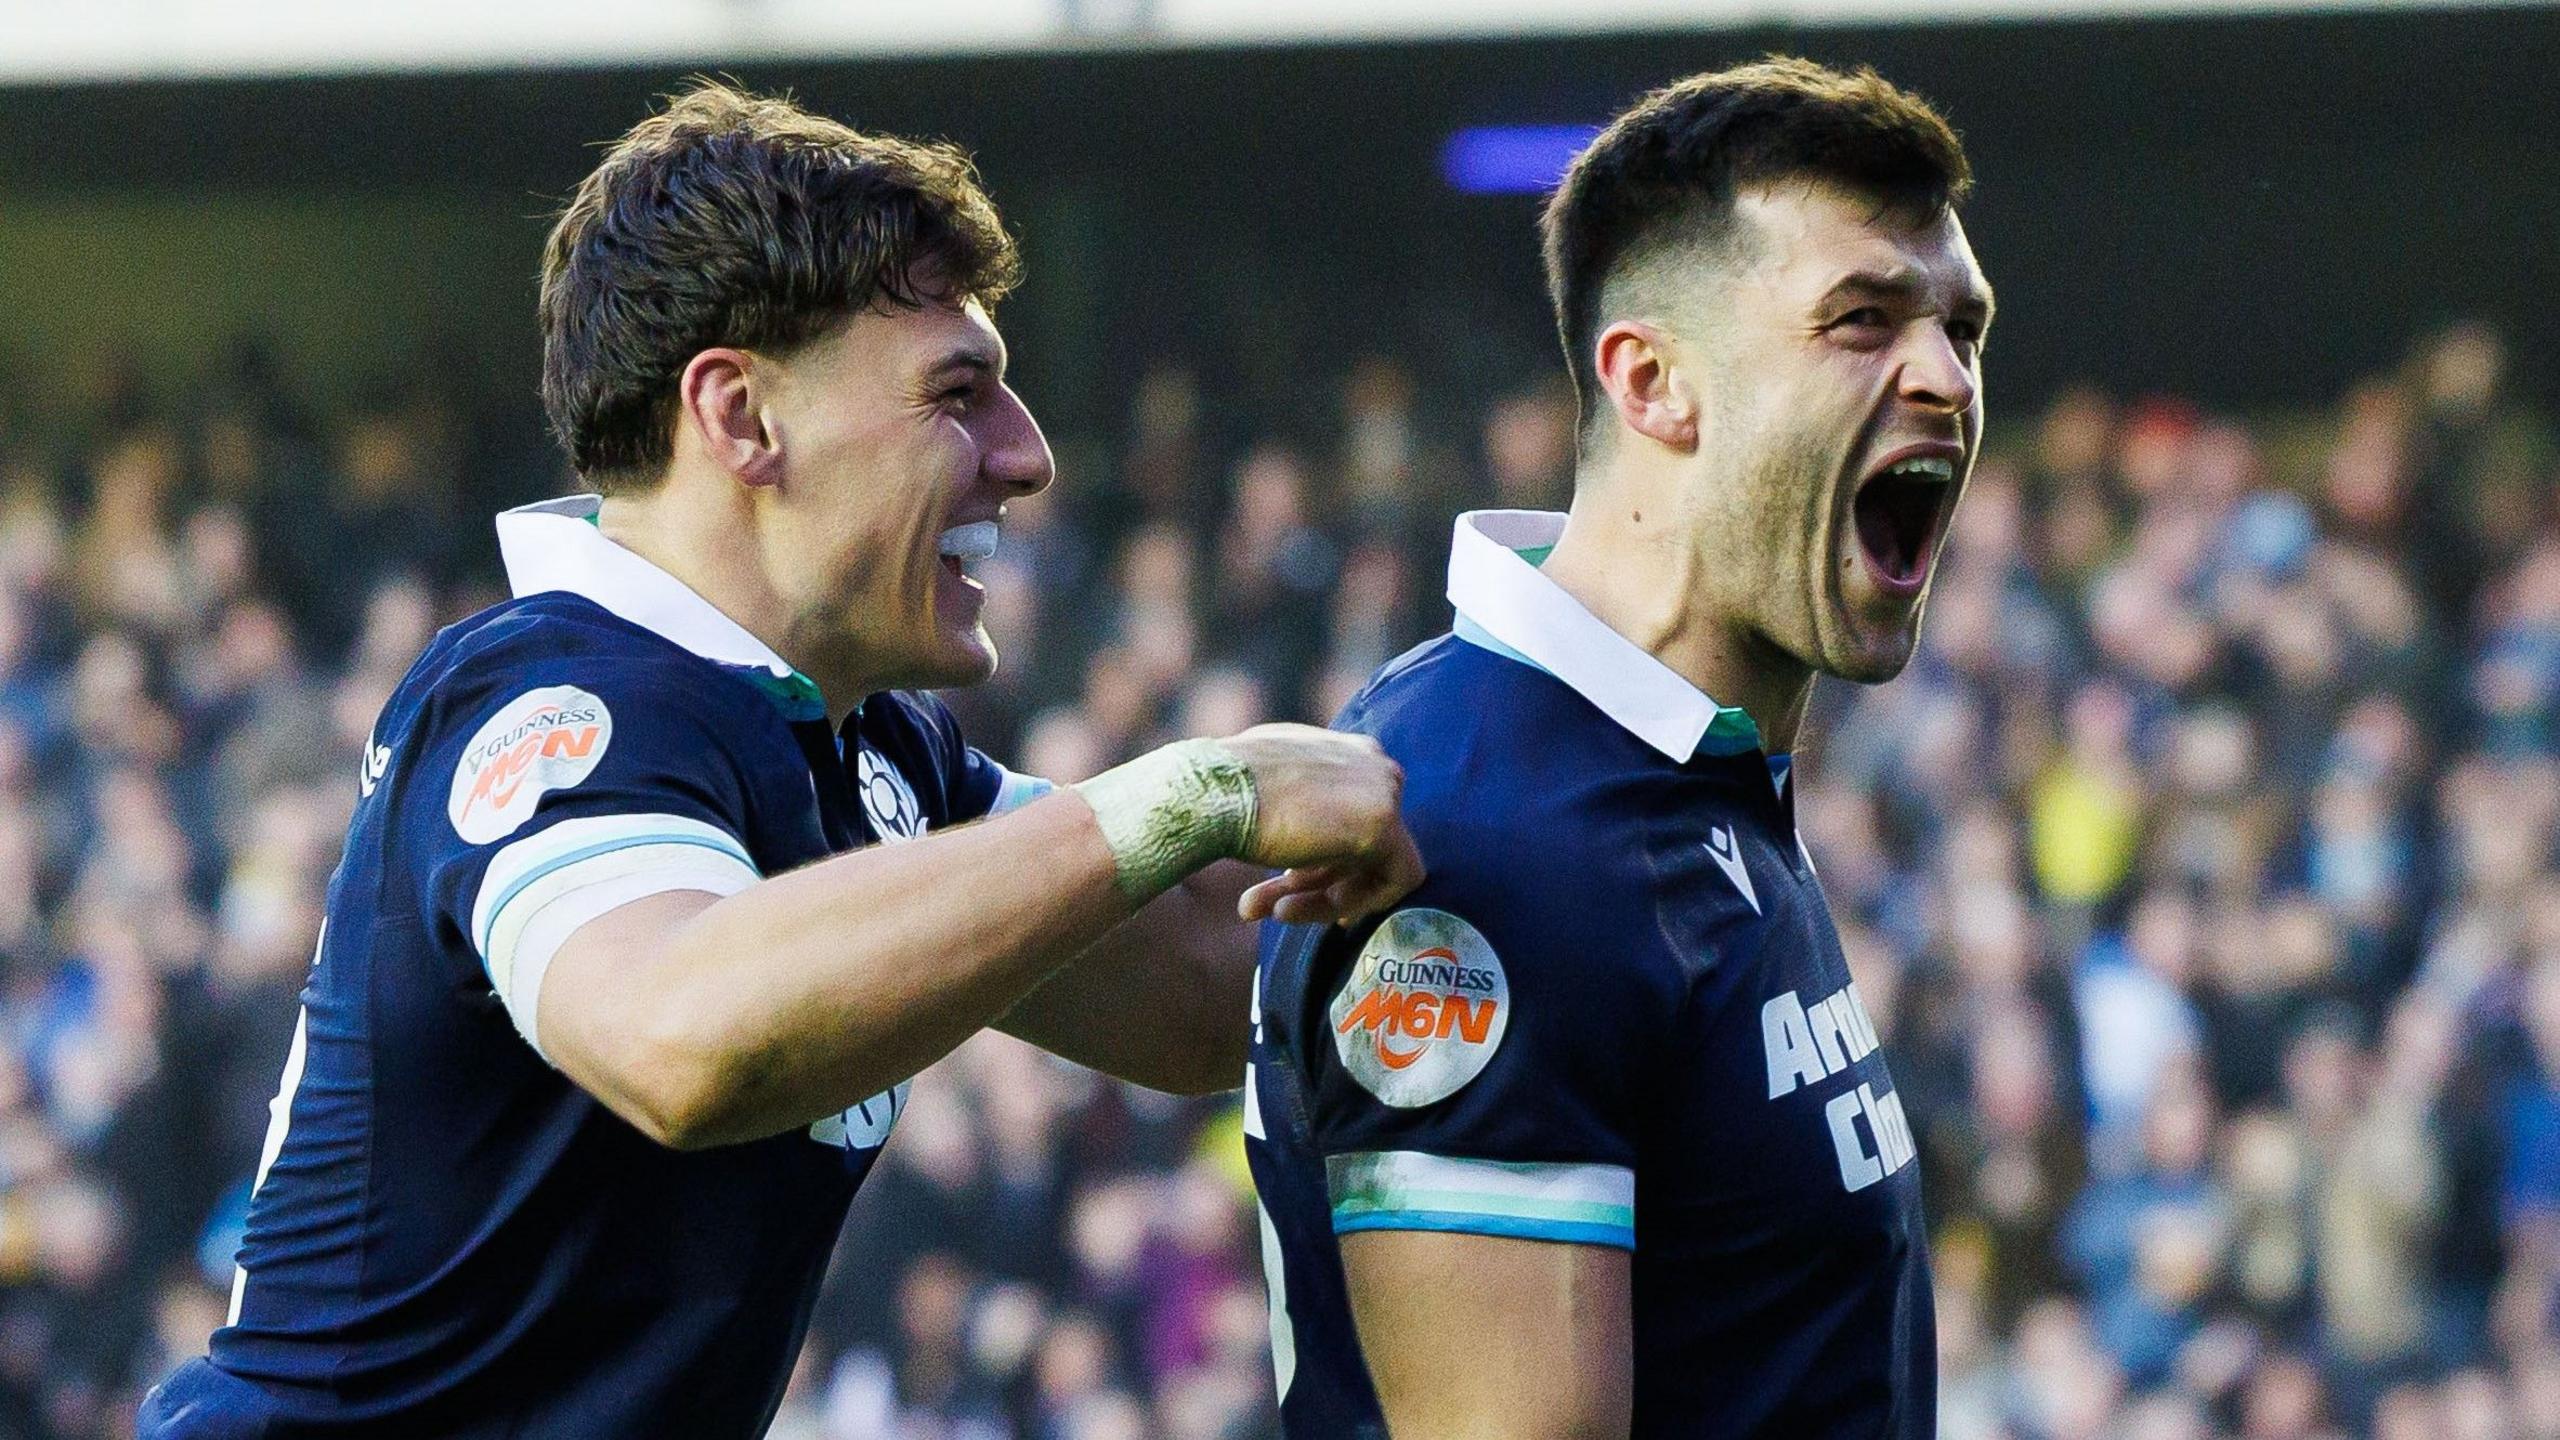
(1183, 967)
(1475, 1088)
(1472, 1336)
(1159, 999)
(707, 1020)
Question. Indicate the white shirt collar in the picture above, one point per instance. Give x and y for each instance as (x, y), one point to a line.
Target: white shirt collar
(1505, 604)
(557, 545)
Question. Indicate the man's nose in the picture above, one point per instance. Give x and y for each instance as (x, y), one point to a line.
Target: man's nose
(1936, 374)
(1017, 454)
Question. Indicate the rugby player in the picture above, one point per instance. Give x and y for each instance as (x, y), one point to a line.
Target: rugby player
(599, 1041)
(1591, 1136)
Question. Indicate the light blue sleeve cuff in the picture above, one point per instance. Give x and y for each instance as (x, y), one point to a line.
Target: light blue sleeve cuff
(1016, 791)
(540, 889)
(1576, 1204)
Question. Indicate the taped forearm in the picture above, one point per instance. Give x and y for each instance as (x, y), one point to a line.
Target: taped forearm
(1171, 811)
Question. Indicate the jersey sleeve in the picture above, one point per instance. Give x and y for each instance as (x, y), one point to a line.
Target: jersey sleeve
(986, 788)
(567, 790)
(1475, 1066)
(978, 786)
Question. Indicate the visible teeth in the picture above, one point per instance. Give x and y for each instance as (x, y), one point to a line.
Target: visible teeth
(971, 542)
(1934, 467)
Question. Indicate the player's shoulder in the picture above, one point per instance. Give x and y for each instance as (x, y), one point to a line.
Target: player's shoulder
(564, 637)
(1436, 695)
(1511, 802)
(560, 662)
(1452, 708)
(553, 626)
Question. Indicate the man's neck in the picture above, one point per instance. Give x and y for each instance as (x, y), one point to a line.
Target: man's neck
(716, 557)
(1634, 568)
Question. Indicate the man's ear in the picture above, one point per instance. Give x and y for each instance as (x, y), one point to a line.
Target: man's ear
(1642, 387)
(721, 400)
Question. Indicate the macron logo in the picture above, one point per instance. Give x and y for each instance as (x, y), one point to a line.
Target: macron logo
(1722, 849)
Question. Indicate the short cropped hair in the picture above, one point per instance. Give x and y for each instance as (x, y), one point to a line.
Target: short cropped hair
(1664, 174)
(736, 219)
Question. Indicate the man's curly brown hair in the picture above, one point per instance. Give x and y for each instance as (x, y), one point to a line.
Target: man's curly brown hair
(736, 219)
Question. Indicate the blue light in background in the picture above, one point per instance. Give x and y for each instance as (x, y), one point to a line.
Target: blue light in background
(1511, 159)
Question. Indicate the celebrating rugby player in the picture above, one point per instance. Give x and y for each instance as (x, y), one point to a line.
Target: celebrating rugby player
(1592, 1136)
(600, 1041)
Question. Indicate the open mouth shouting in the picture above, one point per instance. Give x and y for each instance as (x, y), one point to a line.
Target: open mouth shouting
(1900, 515)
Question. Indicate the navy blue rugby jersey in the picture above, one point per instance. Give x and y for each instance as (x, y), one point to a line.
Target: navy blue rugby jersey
(448, 1237)
(1617, 1013)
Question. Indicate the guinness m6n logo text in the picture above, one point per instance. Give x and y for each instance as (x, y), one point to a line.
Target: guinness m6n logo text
(1423, 1009)
(543, 740)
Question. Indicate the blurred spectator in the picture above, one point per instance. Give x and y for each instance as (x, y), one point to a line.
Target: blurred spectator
(2148, 1242)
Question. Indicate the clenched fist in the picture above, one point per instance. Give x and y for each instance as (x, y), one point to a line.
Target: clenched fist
(1326, 815)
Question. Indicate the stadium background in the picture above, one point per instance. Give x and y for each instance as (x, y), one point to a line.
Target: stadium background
(2202, 870)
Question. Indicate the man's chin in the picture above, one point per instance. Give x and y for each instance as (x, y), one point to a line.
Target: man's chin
(1872, 670)
(1869, 653)
(961, 662)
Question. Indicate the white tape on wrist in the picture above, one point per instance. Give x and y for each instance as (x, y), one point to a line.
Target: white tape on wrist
(1171, 811)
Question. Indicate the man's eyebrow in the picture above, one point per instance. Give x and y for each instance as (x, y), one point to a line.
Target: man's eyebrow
(976, 360)
(1899, 283)
(1904, 284)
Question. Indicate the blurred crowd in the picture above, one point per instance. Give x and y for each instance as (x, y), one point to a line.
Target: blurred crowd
(2203, 873)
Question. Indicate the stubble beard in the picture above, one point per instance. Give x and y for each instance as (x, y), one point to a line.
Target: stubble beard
(1796, 597)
